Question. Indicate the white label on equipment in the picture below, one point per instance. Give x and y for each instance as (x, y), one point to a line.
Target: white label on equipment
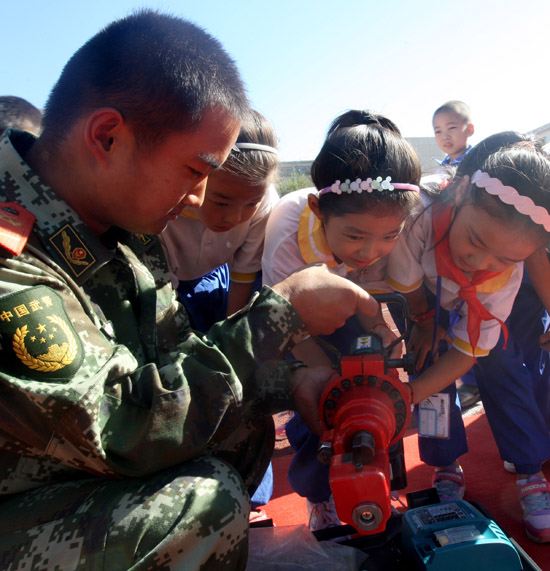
(434, 418)
(458, 534)
(364, 342)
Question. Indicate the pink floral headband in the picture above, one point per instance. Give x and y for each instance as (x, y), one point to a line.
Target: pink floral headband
(509, 195)
(368, 185)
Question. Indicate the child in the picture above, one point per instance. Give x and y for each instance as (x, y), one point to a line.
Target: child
(227, 230)
(366, 178)
(452, 123)
(515, 387)
(465, 252)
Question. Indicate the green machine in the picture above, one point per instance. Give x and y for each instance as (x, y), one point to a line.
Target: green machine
(454, 535)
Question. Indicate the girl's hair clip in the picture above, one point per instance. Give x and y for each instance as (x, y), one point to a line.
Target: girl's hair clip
(254, 146)
(368, 185)
(509, 195)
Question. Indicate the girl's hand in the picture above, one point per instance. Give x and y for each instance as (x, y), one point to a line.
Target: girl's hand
(388, 336)
(421, 341)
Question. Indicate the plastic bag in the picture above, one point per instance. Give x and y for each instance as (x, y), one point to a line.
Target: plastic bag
(295, 548)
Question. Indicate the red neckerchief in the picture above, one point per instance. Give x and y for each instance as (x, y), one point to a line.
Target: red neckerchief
(442, 219)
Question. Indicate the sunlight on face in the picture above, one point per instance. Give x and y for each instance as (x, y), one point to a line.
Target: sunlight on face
(148, 188)
(359, 240)
(451, 133)
(479, 241)
(229, 201)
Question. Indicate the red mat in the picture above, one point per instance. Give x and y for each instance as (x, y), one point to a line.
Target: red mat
(486, 482)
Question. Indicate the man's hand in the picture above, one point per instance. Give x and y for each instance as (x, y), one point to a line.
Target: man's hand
(324, 300)
(307, 385)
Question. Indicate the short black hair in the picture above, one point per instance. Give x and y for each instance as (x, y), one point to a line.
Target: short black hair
(362, 144)
(159, 71)
(455, 106)
(18, 113)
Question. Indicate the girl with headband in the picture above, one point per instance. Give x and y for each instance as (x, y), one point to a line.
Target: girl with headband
(214, 252)
(460, 265)
(366, 180)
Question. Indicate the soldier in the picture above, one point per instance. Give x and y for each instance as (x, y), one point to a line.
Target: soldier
(128, 441)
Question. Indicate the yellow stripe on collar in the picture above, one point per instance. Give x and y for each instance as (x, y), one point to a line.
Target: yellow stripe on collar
(401, 288)
(243, 278)
(496, 283)
(190, 213)
(312, 240)
(467, 348)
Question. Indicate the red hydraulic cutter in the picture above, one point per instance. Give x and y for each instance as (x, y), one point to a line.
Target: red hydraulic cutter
(365, 410)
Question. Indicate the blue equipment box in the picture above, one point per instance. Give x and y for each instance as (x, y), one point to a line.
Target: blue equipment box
(455, 535)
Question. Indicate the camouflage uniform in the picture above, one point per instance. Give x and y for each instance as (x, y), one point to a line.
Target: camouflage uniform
(126, 441)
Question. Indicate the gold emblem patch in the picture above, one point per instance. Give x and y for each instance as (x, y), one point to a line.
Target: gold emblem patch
(69, 245)
(144, 238)
(41, 335)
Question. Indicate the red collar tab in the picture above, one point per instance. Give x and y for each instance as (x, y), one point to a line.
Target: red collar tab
(16, 225)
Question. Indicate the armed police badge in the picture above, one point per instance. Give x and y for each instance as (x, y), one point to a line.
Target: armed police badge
(38, 339)
(72, 250)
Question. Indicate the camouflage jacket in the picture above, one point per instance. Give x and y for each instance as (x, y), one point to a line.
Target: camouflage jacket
(99, 371)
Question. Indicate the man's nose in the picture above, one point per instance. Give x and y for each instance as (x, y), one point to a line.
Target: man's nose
(195, 197)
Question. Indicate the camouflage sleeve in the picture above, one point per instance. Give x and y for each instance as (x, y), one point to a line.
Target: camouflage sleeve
(74, 398)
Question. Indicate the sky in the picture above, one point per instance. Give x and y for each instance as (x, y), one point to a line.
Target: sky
(306, 62)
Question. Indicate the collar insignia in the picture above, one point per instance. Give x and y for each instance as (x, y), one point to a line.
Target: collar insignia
(144, 238)
(16, 224)
(72, 249)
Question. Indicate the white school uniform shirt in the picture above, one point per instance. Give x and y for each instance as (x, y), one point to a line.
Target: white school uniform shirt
(412, 263)
(295, 237)
(192, 250)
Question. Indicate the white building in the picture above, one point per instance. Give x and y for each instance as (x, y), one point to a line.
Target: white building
(425, 147)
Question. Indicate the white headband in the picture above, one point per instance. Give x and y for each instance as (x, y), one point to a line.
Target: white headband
(368, 185)
(509, 195)
(255, 146)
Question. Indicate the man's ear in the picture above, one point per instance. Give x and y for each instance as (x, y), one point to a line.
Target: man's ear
(470, 129)
(101, 132)
(461, 189)
(313, 203)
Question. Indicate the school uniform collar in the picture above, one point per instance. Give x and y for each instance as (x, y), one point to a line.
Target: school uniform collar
(312, 240)
(447, 162)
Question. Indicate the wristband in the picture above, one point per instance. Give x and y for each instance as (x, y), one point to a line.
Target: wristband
(422, 317)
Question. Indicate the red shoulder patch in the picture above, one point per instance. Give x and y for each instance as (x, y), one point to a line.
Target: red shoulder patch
(16, 225)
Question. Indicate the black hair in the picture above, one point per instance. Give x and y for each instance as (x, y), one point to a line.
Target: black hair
(255, 166)
(159, 71)
(18, 113)
(362, 144)
(455, 106)
(517, 160)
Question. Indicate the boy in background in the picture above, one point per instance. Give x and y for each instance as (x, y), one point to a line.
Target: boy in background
(452, 123)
